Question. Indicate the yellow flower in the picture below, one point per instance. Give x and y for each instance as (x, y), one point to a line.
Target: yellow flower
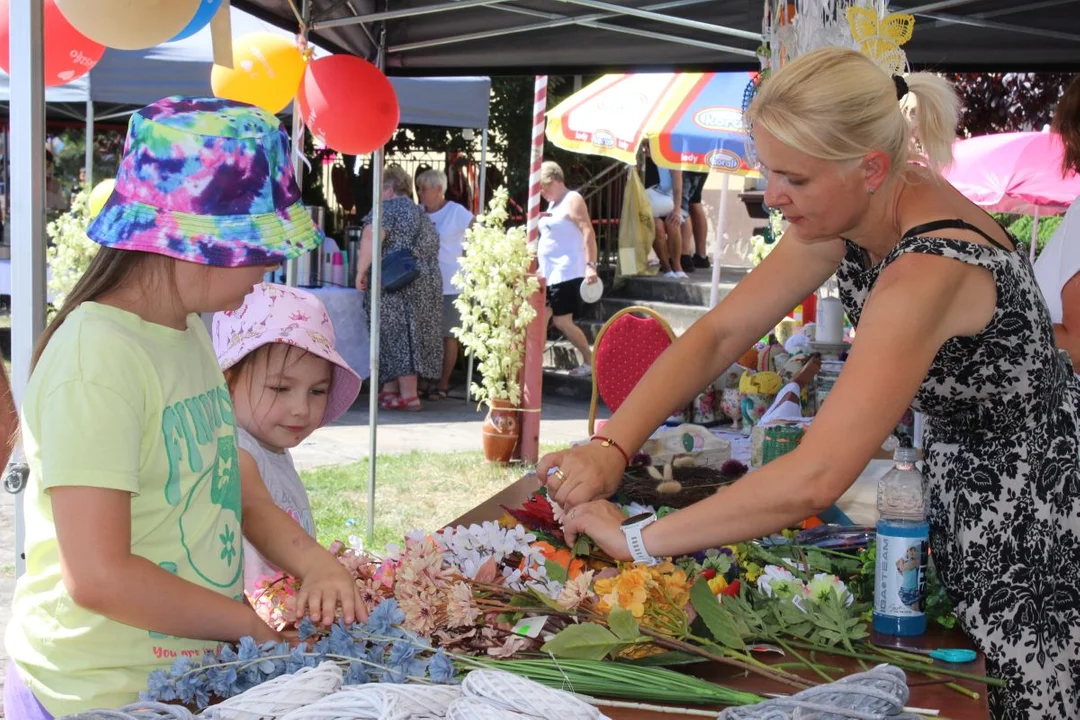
(717, 584)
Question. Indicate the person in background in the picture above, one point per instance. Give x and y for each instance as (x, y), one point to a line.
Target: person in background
(566, 254)
(410, 324)
(950, 321)
(659, 186)
(1058, 266)
(9, 420)
(693, 185)
(56, 201)
(451, 220)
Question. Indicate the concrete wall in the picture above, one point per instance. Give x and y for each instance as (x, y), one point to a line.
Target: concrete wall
(739, 225)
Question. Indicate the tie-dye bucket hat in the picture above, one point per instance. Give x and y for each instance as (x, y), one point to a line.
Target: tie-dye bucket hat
(208, 181)
(279, 314)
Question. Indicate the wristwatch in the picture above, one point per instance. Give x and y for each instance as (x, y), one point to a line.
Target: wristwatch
(632, 528)
(590, 265)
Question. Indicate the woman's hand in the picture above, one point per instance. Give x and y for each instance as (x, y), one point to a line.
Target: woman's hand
(590, 275)
(361, 280)
(326, 586)
(602, 522)
(582, 473)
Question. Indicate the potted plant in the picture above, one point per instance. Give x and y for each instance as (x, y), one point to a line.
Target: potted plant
(496, 283)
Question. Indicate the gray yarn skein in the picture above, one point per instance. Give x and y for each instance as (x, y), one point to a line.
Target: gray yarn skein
(877, 694)
(137, 711)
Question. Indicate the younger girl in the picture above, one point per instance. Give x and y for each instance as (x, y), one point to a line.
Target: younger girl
(134, 510)
(286, 380)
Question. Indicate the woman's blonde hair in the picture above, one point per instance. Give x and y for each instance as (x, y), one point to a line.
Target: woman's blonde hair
(836, 104)
(395, 178)
(551, 172)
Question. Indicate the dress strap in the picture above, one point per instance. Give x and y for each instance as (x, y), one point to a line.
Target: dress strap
(953, 224)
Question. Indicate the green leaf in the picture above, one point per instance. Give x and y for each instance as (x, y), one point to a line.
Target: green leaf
(585, 641)
(623, 624)
(671, 657)
(555, 571)
(550, 602)
(716, 618)
(582, 546)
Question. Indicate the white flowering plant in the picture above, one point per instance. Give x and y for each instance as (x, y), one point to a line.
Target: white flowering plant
(496, 284)
(70, 252)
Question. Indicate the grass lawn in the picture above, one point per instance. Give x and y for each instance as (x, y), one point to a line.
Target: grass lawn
(417, 490)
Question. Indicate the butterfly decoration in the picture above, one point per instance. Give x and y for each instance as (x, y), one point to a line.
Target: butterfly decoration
(880, 37)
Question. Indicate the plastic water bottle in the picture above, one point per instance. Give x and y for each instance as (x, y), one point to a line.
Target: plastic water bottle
(903, 543)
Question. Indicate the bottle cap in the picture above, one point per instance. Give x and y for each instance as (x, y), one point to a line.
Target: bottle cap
(905, 455)
(338, 259)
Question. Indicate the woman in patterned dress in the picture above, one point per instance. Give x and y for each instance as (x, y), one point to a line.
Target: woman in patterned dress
(950, 321)
(410, 331)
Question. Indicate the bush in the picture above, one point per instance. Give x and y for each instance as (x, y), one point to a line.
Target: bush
(70, 250)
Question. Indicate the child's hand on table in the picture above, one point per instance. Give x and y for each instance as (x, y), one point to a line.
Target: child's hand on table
(325, 587)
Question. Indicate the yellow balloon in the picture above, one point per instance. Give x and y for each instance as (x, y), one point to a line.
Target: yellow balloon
(266, 72)
(99, 195)
(129, 24)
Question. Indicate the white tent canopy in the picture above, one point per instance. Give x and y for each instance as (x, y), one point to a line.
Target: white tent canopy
(139, 77)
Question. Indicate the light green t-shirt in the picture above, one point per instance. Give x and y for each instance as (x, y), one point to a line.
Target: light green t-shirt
(119, 403)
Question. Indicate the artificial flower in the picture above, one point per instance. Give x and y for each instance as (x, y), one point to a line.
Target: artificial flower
(460, 610)
(577, 591)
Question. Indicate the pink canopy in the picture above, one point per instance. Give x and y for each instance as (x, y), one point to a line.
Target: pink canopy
(1013, 172)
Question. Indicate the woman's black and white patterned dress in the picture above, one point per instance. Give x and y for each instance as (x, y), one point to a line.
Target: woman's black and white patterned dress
(1003, 468)
(410, 338)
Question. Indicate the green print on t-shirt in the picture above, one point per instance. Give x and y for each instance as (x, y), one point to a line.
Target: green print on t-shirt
(211, 540)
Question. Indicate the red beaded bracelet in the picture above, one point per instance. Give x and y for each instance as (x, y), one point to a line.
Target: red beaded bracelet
(608, 442)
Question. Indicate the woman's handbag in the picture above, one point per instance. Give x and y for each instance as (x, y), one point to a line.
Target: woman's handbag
(399, 269)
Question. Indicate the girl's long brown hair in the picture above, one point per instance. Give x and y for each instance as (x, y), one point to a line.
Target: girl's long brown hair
(1066, 123)
(109, 269)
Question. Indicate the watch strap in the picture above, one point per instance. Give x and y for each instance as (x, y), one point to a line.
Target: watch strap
(636, 542)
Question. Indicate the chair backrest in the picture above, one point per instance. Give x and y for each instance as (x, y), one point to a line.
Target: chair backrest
(626, 346)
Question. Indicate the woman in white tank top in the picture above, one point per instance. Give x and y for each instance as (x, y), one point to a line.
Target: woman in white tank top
(566, 254)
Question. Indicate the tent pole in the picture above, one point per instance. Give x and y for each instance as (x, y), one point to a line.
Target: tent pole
(298, 142)
(88, 162)
(718, 252)
(375, 325)
(27, 192)
(481, 208)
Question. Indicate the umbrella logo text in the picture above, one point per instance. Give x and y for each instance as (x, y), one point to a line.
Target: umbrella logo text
(723, 160)
(603, 138)
(719, 118)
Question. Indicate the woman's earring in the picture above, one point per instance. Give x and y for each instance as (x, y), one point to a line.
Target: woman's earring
(869, 191)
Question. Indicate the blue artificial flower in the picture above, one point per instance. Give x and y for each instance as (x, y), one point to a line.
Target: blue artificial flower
(180, 666)
(297, 658)
(321, 649)
(158, 688)
(306, 628)
(401, 672)
(385, 615)
(227, 654)
(220, 680)
(401, 651)
(441, 668)
(341, 640)
(248, 649)
(357, 674)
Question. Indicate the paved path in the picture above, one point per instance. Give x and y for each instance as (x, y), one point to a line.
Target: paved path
(448, 426)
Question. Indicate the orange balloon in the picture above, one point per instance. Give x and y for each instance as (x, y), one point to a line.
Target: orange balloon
(266, 72)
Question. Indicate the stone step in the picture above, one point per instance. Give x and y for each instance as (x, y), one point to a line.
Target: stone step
(559, 383)
(561, 355)
(694, 290)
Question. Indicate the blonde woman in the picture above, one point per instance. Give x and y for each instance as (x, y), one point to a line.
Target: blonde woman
(566, 254)
(410, 341)
(950, 320)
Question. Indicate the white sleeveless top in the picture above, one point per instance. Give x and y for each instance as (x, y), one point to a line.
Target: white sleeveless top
(560, 253)
(281, 479)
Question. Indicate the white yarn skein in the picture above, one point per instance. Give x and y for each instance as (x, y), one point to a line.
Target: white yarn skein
(381, 701)
(518, 694)
(280, 697)
(473, 708)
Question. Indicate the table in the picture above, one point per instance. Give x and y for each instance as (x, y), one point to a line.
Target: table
(950, 703)
(346, 309)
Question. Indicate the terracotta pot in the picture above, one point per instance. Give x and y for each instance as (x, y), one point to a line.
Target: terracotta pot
(501, 432)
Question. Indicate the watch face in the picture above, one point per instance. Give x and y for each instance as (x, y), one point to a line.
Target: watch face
(636, 519)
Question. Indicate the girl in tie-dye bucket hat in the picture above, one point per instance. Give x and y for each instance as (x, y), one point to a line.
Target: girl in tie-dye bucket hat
(135, 519)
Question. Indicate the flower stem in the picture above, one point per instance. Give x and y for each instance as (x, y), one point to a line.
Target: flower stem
(991, 681)
(797, 655)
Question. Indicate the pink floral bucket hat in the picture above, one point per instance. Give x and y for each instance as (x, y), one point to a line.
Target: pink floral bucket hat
(279, 314)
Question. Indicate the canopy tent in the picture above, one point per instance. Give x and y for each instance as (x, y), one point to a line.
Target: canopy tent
(133, 78)
(579, 36)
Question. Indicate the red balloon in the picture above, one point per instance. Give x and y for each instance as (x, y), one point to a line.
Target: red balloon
(348, 104)
(68, 53)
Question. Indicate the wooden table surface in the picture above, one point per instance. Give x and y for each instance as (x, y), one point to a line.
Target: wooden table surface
(925, 693)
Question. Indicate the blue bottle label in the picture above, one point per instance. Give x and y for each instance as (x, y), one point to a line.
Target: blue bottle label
(900, 575)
